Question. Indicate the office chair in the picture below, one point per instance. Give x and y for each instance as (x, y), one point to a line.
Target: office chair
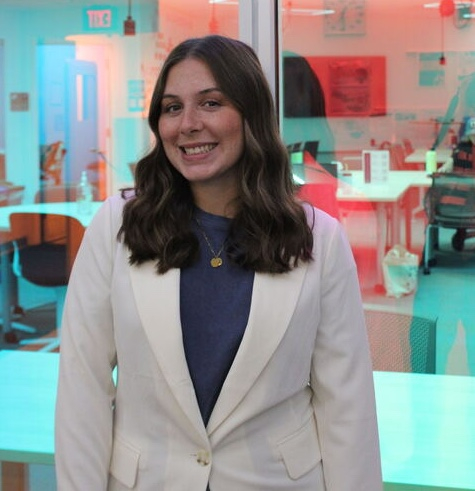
(449, 203)
(400, 342)
(48, 193)
(319, 184)
(297, 149)
(396, 155)
(10, 194)
(45, 249)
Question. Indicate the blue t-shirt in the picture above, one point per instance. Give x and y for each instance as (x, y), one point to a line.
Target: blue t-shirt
(214, 310)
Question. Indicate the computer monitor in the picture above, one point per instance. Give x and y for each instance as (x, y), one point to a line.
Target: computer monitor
(312, 148)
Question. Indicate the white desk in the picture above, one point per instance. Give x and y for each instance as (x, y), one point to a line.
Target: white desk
(427, 430)
(28, 394)
(67, 208)
(427, 423)
(419, 156)
(386, 198)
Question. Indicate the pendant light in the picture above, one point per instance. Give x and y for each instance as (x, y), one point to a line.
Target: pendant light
(446, 9)
(129, 23)
(213, 26)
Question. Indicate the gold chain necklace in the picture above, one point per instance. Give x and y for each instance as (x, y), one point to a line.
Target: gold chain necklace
(216, 261)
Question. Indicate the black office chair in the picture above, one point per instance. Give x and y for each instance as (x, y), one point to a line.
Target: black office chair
(10, 194)
(401, 342)
(45, 249)
(308, 146)
(449, 203)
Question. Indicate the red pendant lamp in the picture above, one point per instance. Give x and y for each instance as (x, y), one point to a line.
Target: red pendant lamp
(446, 9)
(213, 26)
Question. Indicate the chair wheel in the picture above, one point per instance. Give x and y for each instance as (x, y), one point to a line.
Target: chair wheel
(10, 338)
(458, 239)
(430, 263)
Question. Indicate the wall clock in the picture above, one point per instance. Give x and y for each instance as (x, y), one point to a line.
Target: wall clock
(462, 14)
(348, 17)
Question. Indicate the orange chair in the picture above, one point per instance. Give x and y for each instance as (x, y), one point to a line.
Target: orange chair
(46, 246)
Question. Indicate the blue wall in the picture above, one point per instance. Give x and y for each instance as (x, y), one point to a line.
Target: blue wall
(2, 99)
(22, 31)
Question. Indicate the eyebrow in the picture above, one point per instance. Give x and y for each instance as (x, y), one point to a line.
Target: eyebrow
(201, 92)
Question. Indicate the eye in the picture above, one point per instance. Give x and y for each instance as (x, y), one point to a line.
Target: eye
(212, 103)
(171, 108)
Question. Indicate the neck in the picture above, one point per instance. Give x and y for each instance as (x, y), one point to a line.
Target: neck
(217, 202)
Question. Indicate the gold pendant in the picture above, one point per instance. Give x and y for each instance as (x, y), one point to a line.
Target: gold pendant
(216, 262)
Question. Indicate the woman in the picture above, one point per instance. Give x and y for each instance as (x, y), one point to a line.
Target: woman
(231, 311)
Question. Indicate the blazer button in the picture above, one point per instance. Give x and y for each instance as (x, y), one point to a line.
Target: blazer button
(202, 457)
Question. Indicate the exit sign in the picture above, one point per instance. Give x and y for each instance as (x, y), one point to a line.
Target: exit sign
(100, 19)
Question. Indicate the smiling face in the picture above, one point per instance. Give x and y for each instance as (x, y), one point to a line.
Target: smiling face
(201, 131)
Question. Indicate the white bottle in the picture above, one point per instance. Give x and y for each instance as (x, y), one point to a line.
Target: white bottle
(84, 194)
(431, 161)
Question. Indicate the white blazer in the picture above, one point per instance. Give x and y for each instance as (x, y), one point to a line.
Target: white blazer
(297, 409)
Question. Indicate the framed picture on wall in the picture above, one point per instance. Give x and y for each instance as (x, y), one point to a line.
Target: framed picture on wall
(348, 17)
(350, 87)
(353, 85)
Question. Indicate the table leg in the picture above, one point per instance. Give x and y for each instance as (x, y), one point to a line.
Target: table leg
(395, 224)
(5, 287)
(15, 476)
(413, 203)
(383, 210)
(381, 234)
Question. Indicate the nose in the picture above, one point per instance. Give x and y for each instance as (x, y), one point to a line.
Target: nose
(191, 120)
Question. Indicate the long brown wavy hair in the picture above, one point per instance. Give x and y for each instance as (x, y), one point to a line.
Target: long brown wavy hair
(269, 232)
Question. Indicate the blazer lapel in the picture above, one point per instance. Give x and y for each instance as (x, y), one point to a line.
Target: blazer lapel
(274, 299)
(157, 298)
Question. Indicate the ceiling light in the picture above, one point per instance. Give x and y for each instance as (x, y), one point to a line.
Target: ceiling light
(458, 5)
(311, 11)
(129, 23)
(294, 11)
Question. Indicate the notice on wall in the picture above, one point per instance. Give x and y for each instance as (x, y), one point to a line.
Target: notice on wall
(19, 101)
(136, 95)
(375, 166)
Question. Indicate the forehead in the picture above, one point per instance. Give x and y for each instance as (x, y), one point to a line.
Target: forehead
(188, 76)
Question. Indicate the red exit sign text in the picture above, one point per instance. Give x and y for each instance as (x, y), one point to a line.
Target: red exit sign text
(99, 19)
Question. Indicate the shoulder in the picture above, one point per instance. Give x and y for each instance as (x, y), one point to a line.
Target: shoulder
(330, 242)
(109, 216)
(114, 204)
(320, 222)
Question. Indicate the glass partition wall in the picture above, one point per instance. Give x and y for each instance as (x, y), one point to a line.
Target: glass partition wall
(76, 79)
(376, 97)
(373, 97)
(369, 87)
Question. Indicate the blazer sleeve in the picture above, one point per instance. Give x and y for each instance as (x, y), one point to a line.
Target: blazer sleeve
(85, 397)
(341, 375)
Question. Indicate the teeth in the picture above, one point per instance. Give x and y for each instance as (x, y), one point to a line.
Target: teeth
(200, 149)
